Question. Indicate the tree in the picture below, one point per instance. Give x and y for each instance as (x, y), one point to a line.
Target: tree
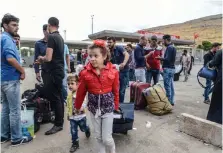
(206, 45)
(200, 47)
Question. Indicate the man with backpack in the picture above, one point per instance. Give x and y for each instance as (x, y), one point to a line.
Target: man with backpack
(207, 58)
(153, 64)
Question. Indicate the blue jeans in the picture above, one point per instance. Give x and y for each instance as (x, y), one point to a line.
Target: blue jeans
(152, 73)
(74, 128)
(132, 75)
(208, 89)
(123, 80)
(11, 110)
(64, 90)
(168, 75)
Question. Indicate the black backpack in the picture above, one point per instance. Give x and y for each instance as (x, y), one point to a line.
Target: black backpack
(35, 99)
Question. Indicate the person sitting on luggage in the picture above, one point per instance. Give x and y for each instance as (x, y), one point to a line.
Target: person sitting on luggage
(101, 80)
(76, 118)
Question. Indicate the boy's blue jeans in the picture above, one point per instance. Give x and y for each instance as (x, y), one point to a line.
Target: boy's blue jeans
(74, 128)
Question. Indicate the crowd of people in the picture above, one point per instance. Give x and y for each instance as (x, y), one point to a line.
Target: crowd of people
(107, 72)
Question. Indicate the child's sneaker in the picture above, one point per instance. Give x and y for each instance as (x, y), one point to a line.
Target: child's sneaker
(88, 133)
(24, 140)
(74, 146)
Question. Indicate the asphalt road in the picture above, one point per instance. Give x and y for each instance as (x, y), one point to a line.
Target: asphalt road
(161, 137)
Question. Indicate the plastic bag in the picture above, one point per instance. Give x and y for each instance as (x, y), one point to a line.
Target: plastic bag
(27, 122)
(178, 68)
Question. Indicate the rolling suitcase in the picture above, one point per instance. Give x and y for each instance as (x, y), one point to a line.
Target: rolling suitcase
(124, 122)
(139, 98)
(132, 91)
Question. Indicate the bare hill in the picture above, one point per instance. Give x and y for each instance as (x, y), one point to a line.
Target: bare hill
(209, 28)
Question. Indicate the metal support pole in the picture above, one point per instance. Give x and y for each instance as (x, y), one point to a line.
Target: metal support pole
(92, 24)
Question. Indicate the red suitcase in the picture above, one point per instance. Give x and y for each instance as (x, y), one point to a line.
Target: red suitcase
(132, 91)
(137, 96)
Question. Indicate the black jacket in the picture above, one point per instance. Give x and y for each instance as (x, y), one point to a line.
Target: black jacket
(208, 57)
(169, 57)
(217, 62)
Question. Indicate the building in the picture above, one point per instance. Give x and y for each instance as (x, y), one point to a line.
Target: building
(126, 37)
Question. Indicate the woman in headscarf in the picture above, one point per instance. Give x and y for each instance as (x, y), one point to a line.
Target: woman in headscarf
(215, 110)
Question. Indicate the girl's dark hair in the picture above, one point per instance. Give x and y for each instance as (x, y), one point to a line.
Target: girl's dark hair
(104, 50)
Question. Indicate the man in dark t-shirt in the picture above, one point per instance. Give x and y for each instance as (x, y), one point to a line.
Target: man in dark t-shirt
(54, 61)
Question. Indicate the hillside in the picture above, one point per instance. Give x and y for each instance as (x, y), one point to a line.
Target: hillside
(209, 28)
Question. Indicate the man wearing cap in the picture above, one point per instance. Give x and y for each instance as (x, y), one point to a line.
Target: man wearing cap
(207, 58)
(168, 68)
(153, 64)
(40, 50)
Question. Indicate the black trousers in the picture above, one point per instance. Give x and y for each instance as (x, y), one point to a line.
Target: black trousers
(44, 76)
(191, 65)
(215, 109)
(72, 67)
(53, 85)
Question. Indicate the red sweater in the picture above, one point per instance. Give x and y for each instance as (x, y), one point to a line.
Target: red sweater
(151, 60)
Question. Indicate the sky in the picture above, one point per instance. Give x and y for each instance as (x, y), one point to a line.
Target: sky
(120, 15)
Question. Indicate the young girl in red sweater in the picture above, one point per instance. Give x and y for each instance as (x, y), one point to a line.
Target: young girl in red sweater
(101, 80)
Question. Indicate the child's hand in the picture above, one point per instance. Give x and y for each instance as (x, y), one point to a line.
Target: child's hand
(76, 111)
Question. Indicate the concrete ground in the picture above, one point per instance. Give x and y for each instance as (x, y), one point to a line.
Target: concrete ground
(161, 137)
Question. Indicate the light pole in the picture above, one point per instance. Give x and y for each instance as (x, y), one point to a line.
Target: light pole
(92, 24)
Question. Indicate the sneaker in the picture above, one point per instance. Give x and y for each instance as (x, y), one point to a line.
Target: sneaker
(54, 130)
(4, 140)
(24, 140)
(207, 101)
(88, 133)
(74, 146)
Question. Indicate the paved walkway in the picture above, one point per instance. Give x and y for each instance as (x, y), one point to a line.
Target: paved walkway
(162, 137)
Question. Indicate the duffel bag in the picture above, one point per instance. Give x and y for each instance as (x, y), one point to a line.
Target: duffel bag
(157, 100)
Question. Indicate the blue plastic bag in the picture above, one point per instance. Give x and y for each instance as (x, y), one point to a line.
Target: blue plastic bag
(27, 122)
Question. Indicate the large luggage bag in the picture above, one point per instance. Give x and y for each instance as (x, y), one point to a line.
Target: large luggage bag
(137, 96)
(35, 100)
(157, 100)
(125, 122)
